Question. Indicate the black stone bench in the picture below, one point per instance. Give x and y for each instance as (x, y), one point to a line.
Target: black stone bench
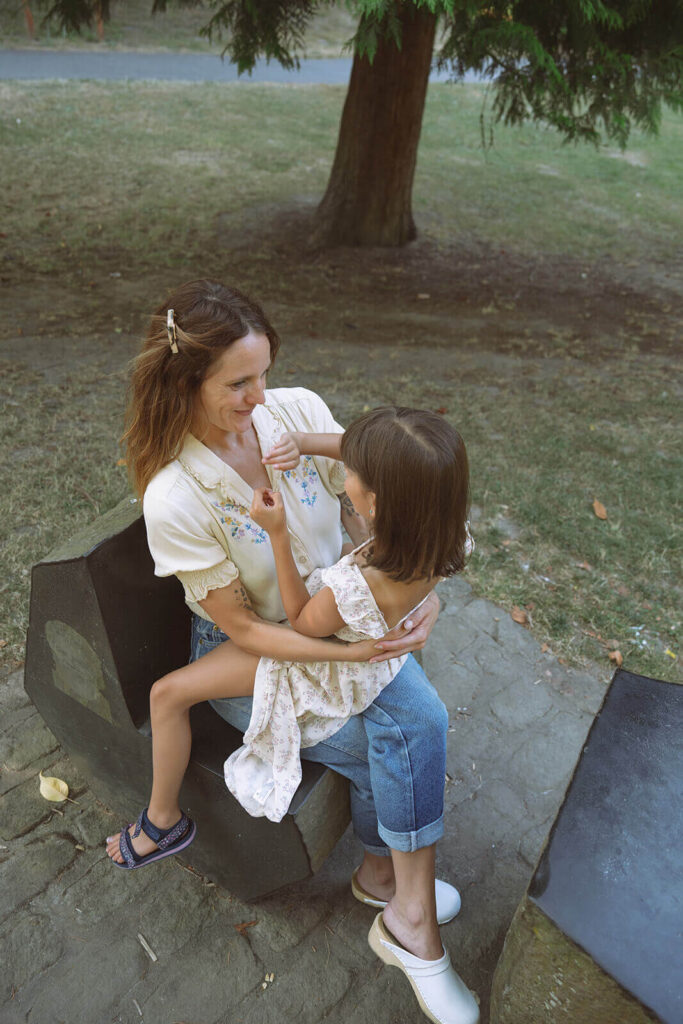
(102, 629)
(598, 938)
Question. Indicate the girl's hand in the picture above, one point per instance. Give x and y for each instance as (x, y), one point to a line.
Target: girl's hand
(411, 635)
(285, 454)
(268, 510)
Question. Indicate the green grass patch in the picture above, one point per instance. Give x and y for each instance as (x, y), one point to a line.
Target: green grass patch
(114, 192)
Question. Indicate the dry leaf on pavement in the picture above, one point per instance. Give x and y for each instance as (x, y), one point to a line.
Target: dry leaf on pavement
(519, 615)
(53, 789)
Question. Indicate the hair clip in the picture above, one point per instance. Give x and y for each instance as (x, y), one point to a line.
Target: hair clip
(172, 333)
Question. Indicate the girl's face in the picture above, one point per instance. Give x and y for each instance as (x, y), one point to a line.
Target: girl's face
(233, 387)
(363, 499)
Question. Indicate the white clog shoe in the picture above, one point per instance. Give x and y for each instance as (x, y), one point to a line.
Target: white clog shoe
(447, 898)
(442, 994)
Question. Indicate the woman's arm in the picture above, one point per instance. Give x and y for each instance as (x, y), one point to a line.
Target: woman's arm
(230, 608)
(353, 523)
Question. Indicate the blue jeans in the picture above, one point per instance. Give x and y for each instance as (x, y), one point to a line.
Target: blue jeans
(393, 754)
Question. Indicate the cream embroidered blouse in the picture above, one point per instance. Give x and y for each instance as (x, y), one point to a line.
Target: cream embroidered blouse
(197, 510)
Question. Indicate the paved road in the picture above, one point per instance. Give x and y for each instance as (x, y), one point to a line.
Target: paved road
(181, 67)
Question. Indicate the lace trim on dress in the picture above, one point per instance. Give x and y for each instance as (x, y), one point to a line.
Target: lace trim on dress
(353, 598)
(198, 582)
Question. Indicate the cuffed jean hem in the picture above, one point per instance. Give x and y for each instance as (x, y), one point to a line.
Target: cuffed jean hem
(378, 851)
(409, 842)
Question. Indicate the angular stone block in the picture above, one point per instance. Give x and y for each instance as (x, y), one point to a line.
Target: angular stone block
(598, 937)
(102, 629)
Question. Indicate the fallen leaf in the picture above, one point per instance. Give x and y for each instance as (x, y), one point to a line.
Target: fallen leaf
(53, 789)
(242, 928)
(599, 509)
(442, 410)
(584, 565)
(3, 643)
(519, 615)
(671, 653)
(545, 648)
(617, 658)
(120, 462)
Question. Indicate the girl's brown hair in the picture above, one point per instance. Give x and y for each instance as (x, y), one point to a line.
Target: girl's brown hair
(416, 464)
(209, 318)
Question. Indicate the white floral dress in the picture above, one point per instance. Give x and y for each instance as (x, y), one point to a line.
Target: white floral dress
(299, 704)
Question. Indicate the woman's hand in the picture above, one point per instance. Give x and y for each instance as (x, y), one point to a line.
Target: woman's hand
(285, 454)
(411, 635)
(268, 510)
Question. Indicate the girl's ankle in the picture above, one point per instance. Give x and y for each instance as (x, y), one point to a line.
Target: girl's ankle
(163, 819)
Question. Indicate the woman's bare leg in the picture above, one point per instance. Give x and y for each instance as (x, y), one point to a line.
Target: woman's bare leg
(410, 914)
(226, 672)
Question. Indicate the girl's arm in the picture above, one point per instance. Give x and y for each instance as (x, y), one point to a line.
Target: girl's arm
(313, 616)
(291, 446)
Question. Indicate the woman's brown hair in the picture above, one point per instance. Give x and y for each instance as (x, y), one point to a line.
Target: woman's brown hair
(209, 317)
(416, 464)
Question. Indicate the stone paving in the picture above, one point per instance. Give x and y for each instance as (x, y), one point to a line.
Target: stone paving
(70, 923)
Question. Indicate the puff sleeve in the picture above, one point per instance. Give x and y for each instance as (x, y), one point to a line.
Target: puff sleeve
(183, 543)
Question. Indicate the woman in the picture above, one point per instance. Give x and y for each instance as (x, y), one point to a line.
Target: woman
(203, 433)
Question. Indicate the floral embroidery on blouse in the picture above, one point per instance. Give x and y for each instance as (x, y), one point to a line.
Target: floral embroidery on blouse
(305, 477)
(239, 528)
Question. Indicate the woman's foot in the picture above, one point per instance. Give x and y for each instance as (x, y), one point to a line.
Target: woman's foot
(443, 996)
(141, 844)
(413, 928)
(374, 884)
(375, 876)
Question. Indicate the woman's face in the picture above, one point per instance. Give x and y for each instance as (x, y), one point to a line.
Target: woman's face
(234, 385)
(363, 499)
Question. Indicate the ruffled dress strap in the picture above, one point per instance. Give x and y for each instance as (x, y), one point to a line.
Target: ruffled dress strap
(354, 599)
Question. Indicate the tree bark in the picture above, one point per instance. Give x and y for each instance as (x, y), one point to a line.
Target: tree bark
(368, 197)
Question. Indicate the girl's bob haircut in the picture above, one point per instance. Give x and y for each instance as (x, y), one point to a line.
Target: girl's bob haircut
(208, 318)
(416, 464)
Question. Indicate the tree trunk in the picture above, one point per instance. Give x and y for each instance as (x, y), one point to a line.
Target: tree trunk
(368, 197)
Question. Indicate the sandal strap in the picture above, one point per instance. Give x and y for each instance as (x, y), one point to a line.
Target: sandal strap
(127, 852)
(163, 837)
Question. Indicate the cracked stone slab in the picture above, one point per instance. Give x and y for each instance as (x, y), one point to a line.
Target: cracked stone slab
(31, 868)
(22, 809)
(26, 742)
(209, 978)
(13, 696)
(313, 984)
(88, 987)
(30, 946)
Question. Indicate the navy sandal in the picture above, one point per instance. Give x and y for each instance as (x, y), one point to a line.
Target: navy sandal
(169, 840)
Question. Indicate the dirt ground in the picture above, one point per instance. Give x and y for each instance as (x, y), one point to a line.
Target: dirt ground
(425, 295)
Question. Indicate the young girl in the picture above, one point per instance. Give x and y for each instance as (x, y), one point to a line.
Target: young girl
(407, 475)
